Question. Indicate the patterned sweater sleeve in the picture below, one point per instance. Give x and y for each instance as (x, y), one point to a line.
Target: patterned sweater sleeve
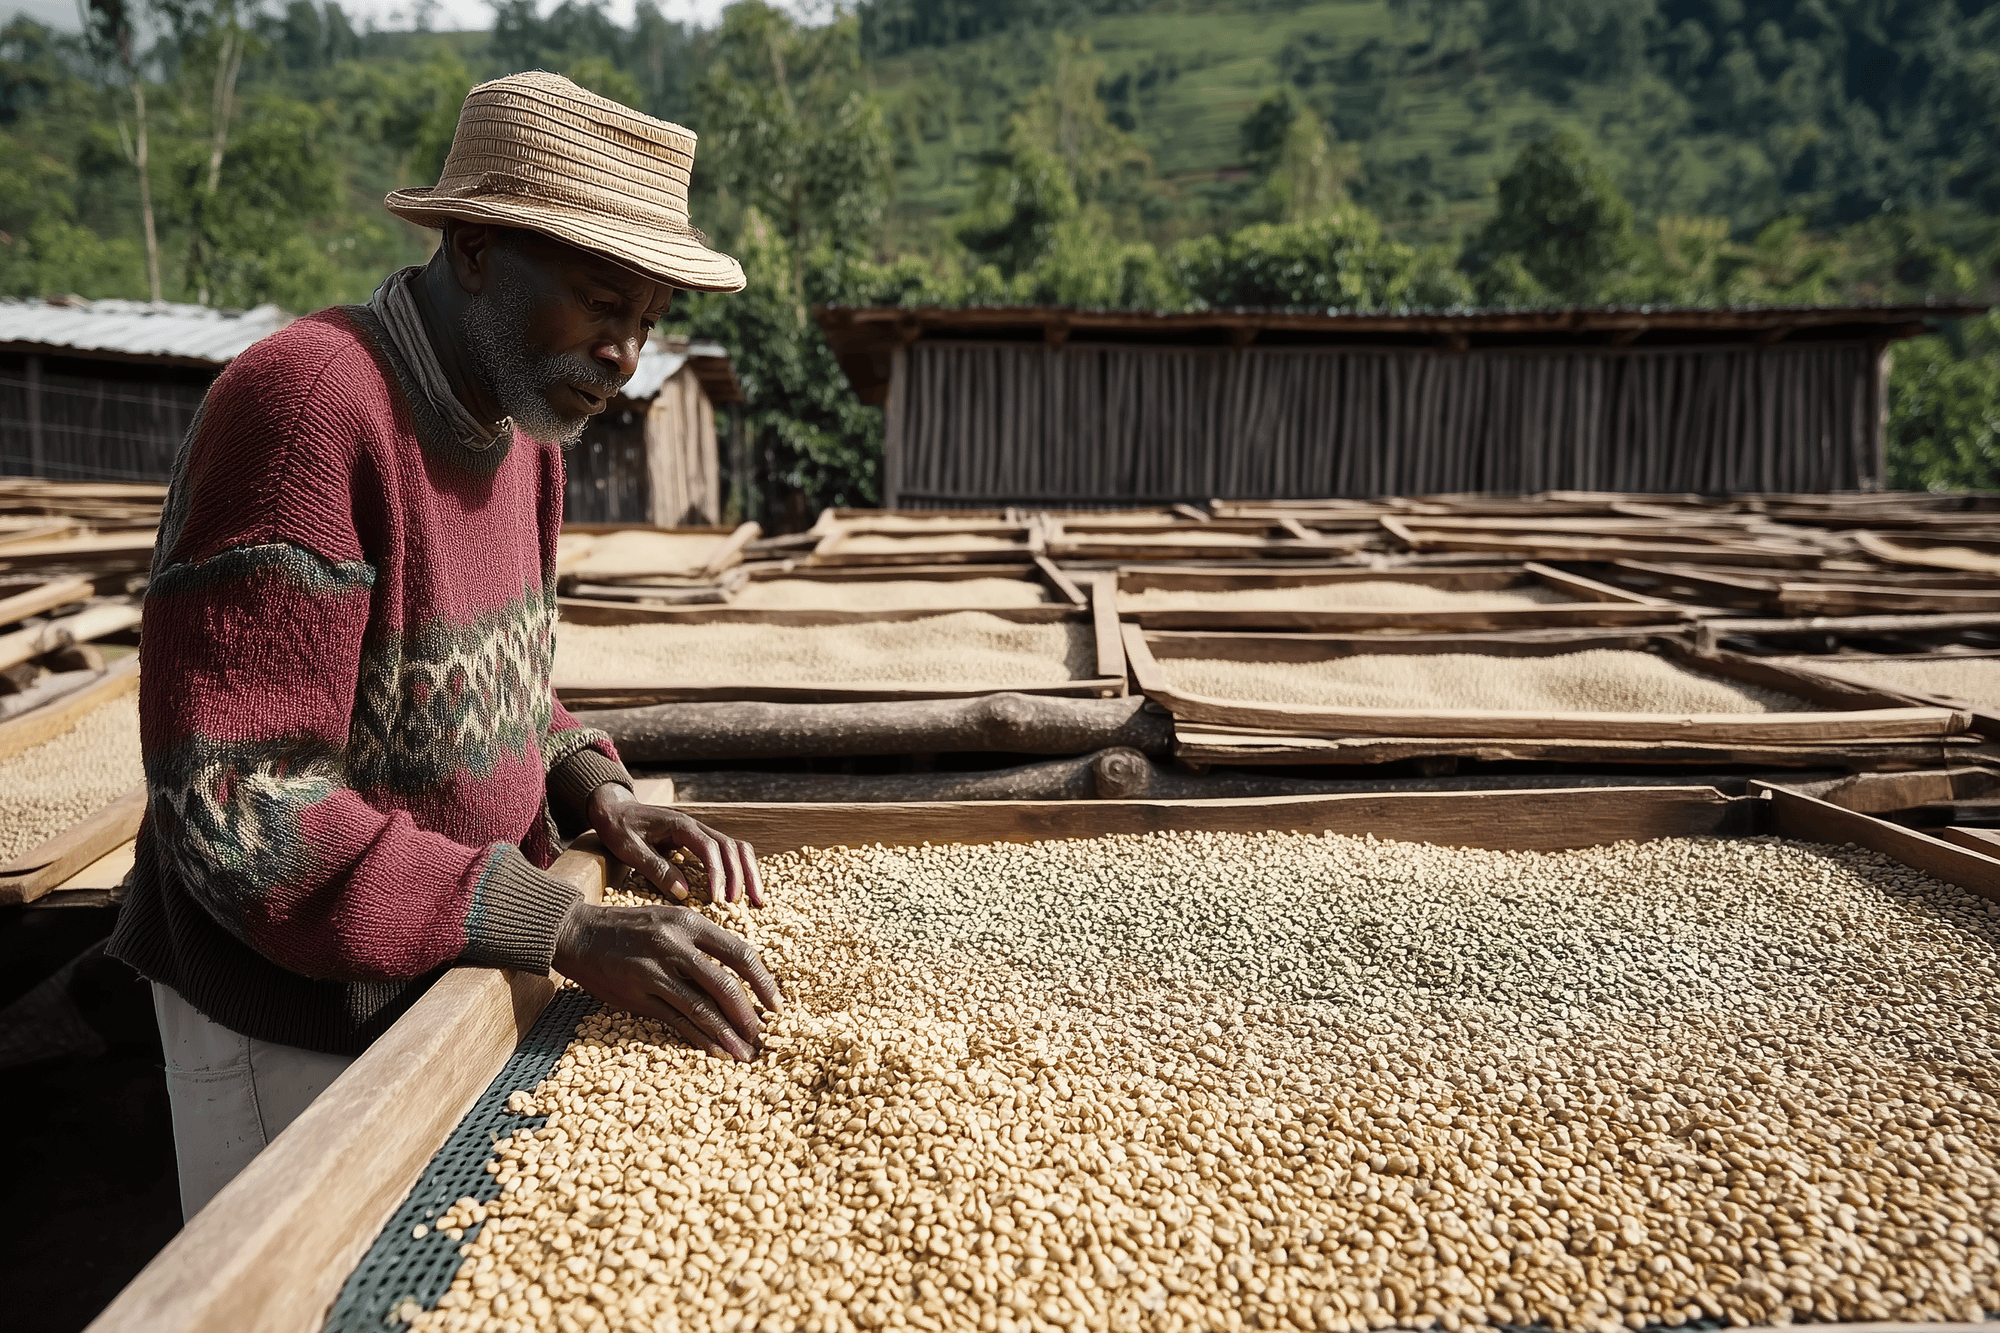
(252, 662)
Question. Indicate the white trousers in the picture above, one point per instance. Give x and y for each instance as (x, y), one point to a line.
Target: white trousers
(230, 1094)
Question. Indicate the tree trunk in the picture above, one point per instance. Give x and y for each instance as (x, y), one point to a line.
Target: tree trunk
(1105, 775)
(145, 182)
(1012, 723)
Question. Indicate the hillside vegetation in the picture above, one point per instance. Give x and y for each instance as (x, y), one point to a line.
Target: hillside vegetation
(1309, 153)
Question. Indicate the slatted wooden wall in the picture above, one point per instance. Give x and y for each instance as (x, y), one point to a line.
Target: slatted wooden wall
(1012, 423)
(72, 420)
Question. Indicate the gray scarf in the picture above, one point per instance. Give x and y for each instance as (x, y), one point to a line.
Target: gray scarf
(397, 309)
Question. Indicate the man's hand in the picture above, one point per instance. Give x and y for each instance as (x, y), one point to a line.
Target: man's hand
(673, 964)
(633, 831)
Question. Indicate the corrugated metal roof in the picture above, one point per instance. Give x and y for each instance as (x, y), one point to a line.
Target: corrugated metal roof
(184, 333)
(660, 360)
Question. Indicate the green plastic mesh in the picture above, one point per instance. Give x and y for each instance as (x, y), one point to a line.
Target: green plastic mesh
(399, 1267)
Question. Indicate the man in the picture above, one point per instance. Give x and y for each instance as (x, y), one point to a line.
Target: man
(354, 762)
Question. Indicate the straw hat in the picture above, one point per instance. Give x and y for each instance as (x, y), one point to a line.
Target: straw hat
(536, 151)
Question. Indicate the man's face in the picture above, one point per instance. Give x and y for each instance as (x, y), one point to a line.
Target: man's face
(554, 332)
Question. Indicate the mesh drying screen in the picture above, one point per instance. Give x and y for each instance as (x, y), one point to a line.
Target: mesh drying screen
(399, 1267)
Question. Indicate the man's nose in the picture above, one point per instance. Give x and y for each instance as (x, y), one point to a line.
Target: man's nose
(621, 352)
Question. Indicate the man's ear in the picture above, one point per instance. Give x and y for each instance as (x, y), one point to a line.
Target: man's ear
(470, 249)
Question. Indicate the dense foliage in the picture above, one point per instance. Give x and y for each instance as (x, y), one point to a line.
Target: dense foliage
(1119, 153)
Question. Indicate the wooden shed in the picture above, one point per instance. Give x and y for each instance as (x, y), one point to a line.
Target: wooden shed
(652, 456)
(104, 390)
(1048, 406)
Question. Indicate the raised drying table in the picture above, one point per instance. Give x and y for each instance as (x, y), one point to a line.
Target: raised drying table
(273, 1250)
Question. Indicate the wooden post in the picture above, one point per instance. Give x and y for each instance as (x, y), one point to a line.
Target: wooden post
(1878, 424)
(894, 422)
(37, 452)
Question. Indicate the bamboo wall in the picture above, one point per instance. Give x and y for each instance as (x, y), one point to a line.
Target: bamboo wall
(1014, 423)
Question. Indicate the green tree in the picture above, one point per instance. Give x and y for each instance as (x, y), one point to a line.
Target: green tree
(1562, 223)
(1944, 409)
(1305, 174)
(1340, 261)
(108, 33)
(794, 147)
(790, 130)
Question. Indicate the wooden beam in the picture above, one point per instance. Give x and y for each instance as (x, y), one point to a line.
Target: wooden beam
(1105, 627)
(45, 597)
(1812, 820)
(93, 622)
(1536, 820)
(270, 1252)
(53, 719)
(34, 873)
(1064, 585)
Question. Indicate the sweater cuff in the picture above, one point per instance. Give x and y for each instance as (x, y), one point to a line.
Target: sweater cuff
(517, 914)
(575, 778)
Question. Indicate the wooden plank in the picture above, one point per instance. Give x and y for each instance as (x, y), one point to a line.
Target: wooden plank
(624, 694)
(109, 551)
(1199, 745)
(1842, 672)
(1849, 599)
(93, 622)
(1826, 690)
(29, 876)
(1499, 619)
(53, 719)
(594, 611)
(44, 597)
(1209, 578)
(1589, 590)
(1061, 582)
(1796, 815)
(1982, 840)
(731, 549)
(1881, 793)
(1711, 629)
(1304, 647)
(1105, 627)
(1532, 820)
(270, 1252)
(104, 875)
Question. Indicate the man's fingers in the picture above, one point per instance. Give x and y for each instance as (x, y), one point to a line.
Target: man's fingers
(742, 958)
(691, 1034)
(725, 992)
(722, 886)
(635, 851)
(753, 883)
(699, 1010)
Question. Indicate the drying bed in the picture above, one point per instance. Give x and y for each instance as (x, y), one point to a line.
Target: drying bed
(49, 787)
(627, 656)
(1470, 666)
(1150, 1185)
(1497, 598)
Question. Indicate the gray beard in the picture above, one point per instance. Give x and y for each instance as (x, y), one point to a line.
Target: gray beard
(494, 327)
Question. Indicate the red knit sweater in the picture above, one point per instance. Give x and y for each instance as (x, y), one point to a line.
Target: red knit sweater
(345, 712)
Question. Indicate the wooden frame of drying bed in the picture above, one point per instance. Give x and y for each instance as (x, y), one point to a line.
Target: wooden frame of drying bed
(1851, 670)
(610, 605)
(270, 1253)
(726, 552)
(1593, 603)
(1101, 617)
(1855, 714)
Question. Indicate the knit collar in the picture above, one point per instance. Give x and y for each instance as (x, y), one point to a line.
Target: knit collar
(396, 307)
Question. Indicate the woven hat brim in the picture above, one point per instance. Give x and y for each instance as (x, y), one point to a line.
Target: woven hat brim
(668, 256)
